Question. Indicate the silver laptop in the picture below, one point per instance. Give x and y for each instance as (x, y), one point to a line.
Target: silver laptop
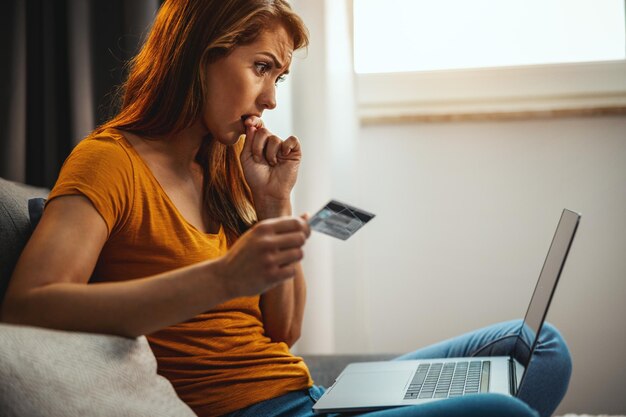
(369, 386)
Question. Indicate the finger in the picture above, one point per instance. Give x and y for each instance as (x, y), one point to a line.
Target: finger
(286, 271)
(285, 225)
(288, 257)
(291, 240)
(254, 121)
(260, 140)
(251, 124)
(289, 145)
(307, 226)
(272, 148)
(306, 217)
(249, 141)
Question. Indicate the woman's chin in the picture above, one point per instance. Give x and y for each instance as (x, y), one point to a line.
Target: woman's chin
(230, 139)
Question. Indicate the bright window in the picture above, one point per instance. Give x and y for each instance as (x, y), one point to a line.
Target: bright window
(431, 60)
(424, 35)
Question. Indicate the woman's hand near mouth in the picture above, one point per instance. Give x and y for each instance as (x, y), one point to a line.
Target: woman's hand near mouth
(270, 166)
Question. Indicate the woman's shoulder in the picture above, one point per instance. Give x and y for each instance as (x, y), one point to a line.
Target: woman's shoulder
(101, 155)
(103, 147)
(110, 140)
(101, 168)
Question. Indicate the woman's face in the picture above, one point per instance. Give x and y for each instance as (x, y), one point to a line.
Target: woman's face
(243, 84)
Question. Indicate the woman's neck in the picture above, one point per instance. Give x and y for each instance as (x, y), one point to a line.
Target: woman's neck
(179, 149)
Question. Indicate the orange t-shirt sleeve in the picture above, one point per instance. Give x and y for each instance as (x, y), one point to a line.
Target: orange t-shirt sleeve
(99, 168)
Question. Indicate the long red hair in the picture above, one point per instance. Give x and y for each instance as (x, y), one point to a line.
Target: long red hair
(164, 92)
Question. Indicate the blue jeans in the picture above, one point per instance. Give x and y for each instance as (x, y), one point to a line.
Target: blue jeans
(543, 387)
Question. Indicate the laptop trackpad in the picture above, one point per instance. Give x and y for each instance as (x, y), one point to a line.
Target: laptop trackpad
(376, 386)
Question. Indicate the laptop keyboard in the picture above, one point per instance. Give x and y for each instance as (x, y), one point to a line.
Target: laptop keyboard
(449, 379)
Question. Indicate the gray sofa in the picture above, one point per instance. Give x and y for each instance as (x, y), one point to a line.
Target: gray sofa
(56, 373)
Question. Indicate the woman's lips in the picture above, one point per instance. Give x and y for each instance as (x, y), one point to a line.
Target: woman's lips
(243, 122)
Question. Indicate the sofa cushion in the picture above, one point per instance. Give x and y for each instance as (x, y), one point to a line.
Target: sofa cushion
(56, 373)
(35, 210)
(15, 226)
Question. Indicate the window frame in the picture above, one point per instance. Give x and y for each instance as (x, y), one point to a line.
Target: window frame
(532, 91)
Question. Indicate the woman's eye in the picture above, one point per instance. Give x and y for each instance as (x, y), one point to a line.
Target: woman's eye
(262, 68)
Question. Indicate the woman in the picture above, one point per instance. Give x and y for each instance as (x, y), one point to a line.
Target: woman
(178, 225)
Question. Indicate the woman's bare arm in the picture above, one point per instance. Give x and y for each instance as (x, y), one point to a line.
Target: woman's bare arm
(283, 309)
(283, 306)
(48, 287)
(270, 166)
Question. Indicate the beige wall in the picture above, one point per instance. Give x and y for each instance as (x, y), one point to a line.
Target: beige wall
(465, 215)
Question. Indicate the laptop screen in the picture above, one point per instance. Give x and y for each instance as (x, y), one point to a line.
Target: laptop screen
(546, 285)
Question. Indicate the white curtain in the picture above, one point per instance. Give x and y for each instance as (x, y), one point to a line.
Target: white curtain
(324, 118)
(317, 105)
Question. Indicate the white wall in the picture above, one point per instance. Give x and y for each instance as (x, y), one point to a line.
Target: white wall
(465, 216)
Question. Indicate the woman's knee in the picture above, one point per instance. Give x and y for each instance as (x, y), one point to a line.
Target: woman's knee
(498, 405)
(479, 405)
(552, 342)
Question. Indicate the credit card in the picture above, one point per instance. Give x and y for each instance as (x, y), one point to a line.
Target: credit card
(339, 219)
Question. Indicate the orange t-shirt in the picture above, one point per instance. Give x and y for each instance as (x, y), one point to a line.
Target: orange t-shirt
(219, 361)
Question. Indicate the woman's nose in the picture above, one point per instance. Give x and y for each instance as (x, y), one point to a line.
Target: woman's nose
(267, 98)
